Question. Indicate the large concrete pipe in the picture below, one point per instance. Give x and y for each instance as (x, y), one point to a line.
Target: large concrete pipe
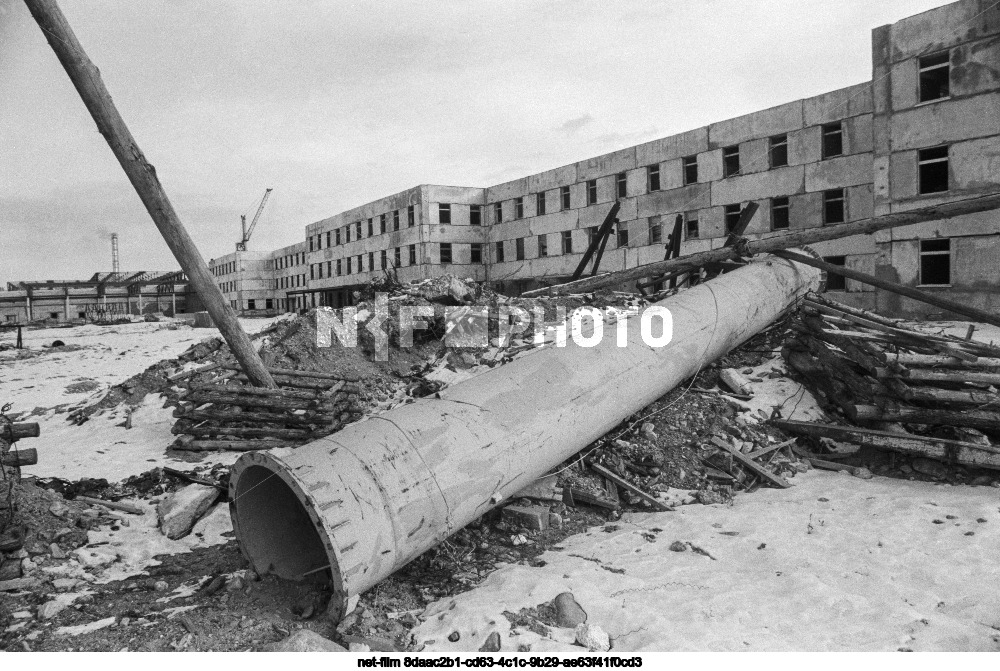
(357, 505)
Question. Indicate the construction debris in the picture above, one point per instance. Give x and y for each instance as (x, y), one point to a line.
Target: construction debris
(179, 511)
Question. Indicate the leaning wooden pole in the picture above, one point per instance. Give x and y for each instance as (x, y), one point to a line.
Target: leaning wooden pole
(785, 241)
(87, 80)
(917, 295)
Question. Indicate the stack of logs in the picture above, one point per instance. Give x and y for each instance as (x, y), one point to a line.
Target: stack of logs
(877, 371)
(229, 414)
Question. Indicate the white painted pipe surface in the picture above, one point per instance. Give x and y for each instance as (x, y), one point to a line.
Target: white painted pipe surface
(368, 499)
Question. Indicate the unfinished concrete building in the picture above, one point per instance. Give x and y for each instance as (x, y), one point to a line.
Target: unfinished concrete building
(924, 130)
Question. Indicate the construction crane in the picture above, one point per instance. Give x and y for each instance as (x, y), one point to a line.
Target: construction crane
(241, 246)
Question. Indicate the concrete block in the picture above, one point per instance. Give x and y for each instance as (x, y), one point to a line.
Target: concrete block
(507, 190)
(778, 182)
(179, 511)
(945, 122)
(941, 27)
(606, 164)
(839, 172)
(676, 146)
(804, 146)
(975, 165)
(846, 102)
(859, 134)
(780, 119)
(692, 197)
(710, 166)
(975, 68)
(552, 179)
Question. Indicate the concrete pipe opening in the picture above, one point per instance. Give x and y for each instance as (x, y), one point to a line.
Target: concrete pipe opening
(274, 521)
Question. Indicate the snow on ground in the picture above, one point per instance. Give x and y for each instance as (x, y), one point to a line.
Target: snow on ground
(109, 355)
(102, 447)
(780, 393)
(985, 333)
(833, 563)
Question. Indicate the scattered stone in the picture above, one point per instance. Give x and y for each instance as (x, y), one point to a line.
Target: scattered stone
(678, 546)
(982, 481)
(569, 613)
(529, 517)
(648, 430)
(593, 638)
(56, 551)
(18, 584)
(65, 584)
(862, 473)
(59, 509)
(555, 521)
(50, 609)
(10, 570)
(305, 640)
(708, 497)
(454, 637)
(358, 647)
(179, 511)
(161, 586)
(935, 469)
(492, 643)
(981, 520)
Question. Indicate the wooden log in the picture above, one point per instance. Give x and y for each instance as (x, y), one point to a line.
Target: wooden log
(87, 80)
(187, 477)
(202, 445)
(972, 419)
(736, 381)
(208, 430)
(248, 401)
(967, 454)
(771, 448)
(932, 361)
(625, 484)
(240, 390)
(303, 383)
(291, 372)
(923, 375)
(212, 413)
(820, 301)
(26, 457)
(18, 430)
(931, 395)
(916, 294)
(573, 496)
(909, 337)
(778, 242)
(113, 505)
(177, 377)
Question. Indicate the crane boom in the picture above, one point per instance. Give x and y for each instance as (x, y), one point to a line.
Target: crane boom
(241, 246)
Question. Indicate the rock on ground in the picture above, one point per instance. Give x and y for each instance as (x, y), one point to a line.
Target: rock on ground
(305, 640)
(179, 511)
(593, 637)
(50, 609)
(568, 612)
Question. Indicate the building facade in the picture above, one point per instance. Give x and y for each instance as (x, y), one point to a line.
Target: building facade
(924, 130)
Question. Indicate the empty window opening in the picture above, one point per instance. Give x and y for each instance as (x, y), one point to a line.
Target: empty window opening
(690, 170)
(543, 246)
(935, 77)
(780, 218)
(933, 167)
(591, 191)
(411, 216)
(395, 220)
(384, 260)
(519, 249)
(833, 207)
(621, 185)
(655, 230)
(653, 178)
(476, 215)
(476, 252)
(445, 252)
(499, 252)
(935, 262)
(540, 203)
(622, 236)
(497, 214)
(731, 161)
(835, 282)
(732, 217)
(567, 242)
(564, 197)
(444, 213)
(413, 255)
(833, 139)
(381, 223)
(691, 225)
(519, 207)
(779, 151)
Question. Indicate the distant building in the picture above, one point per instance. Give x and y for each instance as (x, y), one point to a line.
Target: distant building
(103, 297)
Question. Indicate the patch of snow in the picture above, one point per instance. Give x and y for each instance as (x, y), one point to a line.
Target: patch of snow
(794, 401)
(76, 630)
(814, 567)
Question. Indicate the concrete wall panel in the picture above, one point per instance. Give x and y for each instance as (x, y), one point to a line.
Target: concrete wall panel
(780, 119)
(777, 182)
(945, 122)
(686, 198)
(839, 172)
(675, 146)
(846, 102)
(607, 164)
(944, 26)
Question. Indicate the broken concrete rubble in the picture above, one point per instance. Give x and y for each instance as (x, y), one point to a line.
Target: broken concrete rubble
(179, 511)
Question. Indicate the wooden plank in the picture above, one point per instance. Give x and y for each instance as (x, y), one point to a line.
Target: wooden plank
(973, 419)
(932, 361)
(771, 448)
(746, 214)
(924, 375)
(968, 454)
(599, 238)
(916, 294)
(805, 236)
(87, 80)
(625, 484)
(754, 466)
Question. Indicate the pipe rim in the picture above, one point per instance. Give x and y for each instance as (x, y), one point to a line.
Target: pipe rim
(278, 468)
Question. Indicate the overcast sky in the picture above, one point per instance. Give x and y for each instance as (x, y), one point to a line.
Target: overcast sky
(334, 104)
